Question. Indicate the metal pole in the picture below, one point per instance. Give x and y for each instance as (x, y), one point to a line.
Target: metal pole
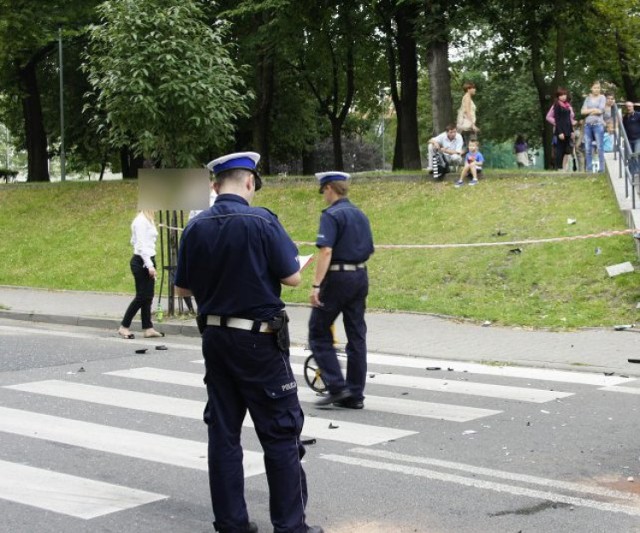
(6, 129)
(382, 130)
(62, 154)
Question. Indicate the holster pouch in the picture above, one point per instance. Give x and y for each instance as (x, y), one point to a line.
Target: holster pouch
(280, 326)
(201, 321)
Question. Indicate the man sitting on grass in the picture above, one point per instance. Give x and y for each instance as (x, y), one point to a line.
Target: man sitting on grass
(449, 144)
(473, 165)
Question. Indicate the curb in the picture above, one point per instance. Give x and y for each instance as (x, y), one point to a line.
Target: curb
(93, 322)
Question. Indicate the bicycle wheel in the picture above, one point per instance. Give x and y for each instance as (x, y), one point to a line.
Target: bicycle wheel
(312, 375)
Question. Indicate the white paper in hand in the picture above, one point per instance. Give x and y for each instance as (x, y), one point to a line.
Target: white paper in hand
(304, 260)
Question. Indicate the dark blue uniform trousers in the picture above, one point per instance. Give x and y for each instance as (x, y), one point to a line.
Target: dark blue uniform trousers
(247, 371)
(346, 293)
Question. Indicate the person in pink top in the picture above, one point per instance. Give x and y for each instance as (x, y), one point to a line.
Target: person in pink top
(563, 118)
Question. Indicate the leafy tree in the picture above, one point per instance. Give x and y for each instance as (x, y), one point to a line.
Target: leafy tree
(28, 38)
(400, 24)
(334, 51)
(164, 82)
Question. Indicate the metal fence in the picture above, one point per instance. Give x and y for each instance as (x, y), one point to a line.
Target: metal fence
(628, 161)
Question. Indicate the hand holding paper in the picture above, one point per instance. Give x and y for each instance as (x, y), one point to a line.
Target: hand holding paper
(304, 261)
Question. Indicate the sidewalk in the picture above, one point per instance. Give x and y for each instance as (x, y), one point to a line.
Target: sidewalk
(593, 350)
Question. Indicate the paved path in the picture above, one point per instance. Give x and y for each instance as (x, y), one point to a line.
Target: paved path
(419, 335)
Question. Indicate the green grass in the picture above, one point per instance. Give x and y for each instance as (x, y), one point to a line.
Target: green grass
(75, 235)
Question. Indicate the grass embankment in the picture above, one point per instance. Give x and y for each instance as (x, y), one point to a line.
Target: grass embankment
(76, 236)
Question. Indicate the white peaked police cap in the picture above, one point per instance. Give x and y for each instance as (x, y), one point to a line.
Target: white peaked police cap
(239, 160)
(334, 175)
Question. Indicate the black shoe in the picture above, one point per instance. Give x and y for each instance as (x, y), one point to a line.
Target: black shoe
(334, 397)
(350, 403)
(314, 529)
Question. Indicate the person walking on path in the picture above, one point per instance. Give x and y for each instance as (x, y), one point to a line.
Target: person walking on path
(521, 149)
(143, 267)
(593, 110)
(234, 259)
(631, 124)
(341, 285)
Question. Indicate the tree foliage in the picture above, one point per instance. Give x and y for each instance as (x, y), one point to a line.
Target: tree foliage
(164, 82)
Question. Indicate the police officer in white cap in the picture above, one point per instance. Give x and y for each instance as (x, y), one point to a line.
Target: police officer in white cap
(341, 285)
(234, 258)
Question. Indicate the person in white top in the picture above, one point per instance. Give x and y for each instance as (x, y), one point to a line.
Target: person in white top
(449, 144)
(143, 267)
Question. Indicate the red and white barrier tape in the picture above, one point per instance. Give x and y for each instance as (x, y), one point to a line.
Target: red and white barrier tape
(501, 243)
(475, 244)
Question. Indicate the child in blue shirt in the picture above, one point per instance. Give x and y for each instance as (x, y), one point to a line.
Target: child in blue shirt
(473, 164)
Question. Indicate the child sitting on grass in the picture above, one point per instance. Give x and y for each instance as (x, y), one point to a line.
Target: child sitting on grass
(473, 164)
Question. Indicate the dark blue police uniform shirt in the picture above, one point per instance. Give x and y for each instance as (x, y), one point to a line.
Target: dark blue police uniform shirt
(346, 230)
(232, 258)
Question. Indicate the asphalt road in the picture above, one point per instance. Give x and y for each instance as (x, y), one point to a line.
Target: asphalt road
(97, 438)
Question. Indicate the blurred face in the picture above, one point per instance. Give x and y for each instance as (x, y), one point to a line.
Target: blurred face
(562, 97)
(451, 134)
(595, 89)
(473, 146)
(629, 106)
(610, 100)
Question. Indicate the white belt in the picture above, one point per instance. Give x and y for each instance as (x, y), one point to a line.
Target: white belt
(338, 267)
(237, 323)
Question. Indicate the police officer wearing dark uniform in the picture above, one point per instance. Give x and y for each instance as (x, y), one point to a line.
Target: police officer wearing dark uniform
(341, 285)
(233, 258)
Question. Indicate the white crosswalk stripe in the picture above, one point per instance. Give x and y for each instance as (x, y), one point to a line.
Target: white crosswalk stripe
(454, 413)
(503, 392)
(66, 494)
(88, 498)
(351, 432)
(544, 374)
(148, 446)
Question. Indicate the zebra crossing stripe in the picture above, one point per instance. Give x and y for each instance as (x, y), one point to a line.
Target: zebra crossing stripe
(503, 392)
(322, 428)
(571, 486)
(473, 482)
(452, 385)
(529, 373)
(148, 446)
(399, 406)
(66, 494)
(439, 411)
(627, 390)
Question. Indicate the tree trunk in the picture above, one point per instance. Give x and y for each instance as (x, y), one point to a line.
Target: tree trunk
(36, 138)
(336, 137)
(406, 18)
(129, 163)
(545, 90)
(398, 160)
(440, 83)
(308, 162)
(264, 105)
